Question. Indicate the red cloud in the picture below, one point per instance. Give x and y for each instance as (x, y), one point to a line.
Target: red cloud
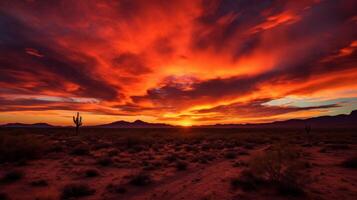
(167, 59)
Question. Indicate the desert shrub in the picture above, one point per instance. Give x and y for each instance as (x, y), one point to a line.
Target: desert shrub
(12, 176)
(140, 179)
(249, 146)
(181, 166)
(280, 167)
(105, 161)
(239, 164)
(152, 165)
(137, 149)
(55, 148)
(337, 147)
(75, 190)
(247, 181)
(80, 150)
(112, 153)
(91, 173)
(171, 158)
(189, 148)
(116, 188)
(39, 183)
(350, 163)
(230, 155)
(98, 146)
(204, 158)
(243, 153)
(19, 148)
(4, 196)
(289, 189)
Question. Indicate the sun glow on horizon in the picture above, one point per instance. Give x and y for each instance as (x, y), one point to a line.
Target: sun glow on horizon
(186, 123)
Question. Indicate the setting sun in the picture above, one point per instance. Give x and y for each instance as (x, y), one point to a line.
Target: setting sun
(186, 123)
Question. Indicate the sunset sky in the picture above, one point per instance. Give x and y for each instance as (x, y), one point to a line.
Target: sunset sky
(185, 62)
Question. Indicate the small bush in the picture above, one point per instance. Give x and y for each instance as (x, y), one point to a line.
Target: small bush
(12, 176)
(105, 161)
(205, 158)
(19, 148)
(113, 153)
(243, 153)
(116, 189)
(4, 196)
(80, 150)
(55, 148)
(140, 180)
(91, 173)
(287, 189)
(247, 181)
(171, 158)
(39, 183)
(230, 155)
(275, 163)
(350, 163)
(239, 164)
(278, 167)
(181, 166)
(249, 146)
(282, 167)
(334, 147)
(75, 190)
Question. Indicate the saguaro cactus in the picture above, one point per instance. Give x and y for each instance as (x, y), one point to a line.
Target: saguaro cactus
(77, 121)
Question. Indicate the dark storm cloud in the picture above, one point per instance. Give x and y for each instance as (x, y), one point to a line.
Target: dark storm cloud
(52, 70)
(212, 89)
(23, 104)
(256, 108)
(229, 18)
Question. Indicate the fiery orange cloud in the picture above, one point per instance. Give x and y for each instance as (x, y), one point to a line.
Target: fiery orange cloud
(181, 62)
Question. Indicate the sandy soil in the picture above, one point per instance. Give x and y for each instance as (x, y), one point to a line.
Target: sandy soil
(206, 174)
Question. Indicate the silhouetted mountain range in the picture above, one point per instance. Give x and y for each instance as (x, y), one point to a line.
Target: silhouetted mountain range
(338, 121)
(135, 124)
(21, 125)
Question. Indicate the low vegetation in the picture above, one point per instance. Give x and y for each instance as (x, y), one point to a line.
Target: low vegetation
(141, 179)
(4, 196)
(76, 190)
(116, 164)
(20, 148)
(350, 163)
(39, 183)
(12, 176)
(91, 173)
(280, 167)
(116, 188)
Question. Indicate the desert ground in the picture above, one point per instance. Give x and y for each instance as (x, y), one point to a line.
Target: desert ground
(177, 163)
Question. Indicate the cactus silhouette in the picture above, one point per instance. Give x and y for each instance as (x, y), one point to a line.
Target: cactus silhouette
(77, 121)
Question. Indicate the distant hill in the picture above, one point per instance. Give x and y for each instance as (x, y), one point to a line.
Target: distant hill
(338, 121)
(21, 125)
(135, 124)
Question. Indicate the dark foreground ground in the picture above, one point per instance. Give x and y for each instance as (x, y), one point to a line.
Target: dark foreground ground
(169, 164)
